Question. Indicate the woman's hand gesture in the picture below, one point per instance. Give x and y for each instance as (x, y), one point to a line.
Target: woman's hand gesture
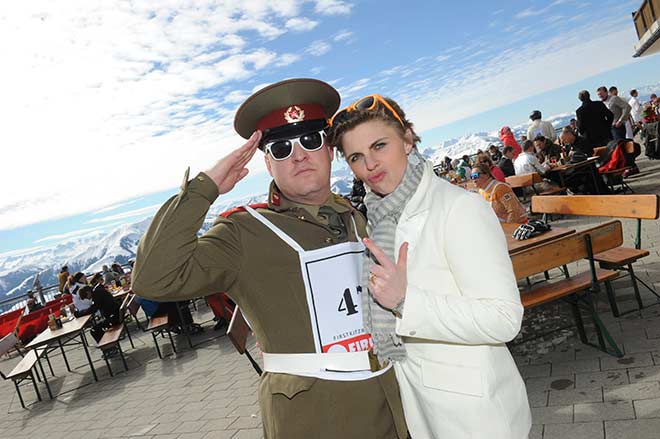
(231, 169)
(388, 281)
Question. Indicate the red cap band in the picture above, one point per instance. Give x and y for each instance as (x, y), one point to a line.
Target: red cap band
(291, 114)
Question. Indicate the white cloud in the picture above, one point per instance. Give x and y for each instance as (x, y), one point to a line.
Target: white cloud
(343, 35)
(77, 233)
(318, 48)
(124, 84)
(333, 7)
(143, 211)
(490, 83)
(301, 24)
(114, 207)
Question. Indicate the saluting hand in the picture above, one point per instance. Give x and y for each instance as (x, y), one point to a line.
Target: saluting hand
(388, 281)
(231, 169)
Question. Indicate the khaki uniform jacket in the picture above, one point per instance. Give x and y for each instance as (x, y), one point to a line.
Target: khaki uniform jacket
(262, 274)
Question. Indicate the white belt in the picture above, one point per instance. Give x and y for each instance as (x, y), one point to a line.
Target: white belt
(302, 364)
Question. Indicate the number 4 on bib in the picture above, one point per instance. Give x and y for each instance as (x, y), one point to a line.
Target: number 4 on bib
(346, 304)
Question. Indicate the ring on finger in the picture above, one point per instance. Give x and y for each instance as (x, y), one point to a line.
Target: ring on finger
(371, 277)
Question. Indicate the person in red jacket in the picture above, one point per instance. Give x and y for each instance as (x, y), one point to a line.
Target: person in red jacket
(507, 138)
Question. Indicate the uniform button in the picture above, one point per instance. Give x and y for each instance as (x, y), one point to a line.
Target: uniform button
(301, 217)
(200, 178)
(328, 240)
(413, 332)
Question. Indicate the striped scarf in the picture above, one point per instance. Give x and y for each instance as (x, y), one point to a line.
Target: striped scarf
(383, 217)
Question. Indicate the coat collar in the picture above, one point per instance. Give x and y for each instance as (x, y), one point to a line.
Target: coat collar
(420, 203)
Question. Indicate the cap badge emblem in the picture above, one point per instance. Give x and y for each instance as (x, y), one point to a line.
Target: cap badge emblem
(294, 114)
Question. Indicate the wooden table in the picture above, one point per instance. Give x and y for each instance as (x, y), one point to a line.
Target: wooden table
(589, 162)
(65, 336)
(516, 245)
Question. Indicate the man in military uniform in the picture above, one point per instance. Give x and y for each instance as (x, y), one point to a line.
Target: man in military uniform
(255, 255)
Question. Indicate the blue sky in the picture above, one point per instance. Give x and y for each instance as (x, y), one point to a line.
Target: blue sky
(107, 103)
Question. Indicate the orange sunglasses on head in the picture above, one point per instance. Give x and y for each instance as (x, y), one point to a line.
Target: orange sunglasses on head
(365, 103)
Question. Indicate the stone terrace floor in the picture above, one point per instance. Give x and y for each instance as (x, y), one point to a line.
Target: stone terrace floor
(575, 391)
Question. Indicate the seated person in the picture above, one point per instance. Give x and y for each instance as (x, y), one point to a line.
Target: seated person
(574, 143)
(494, 153)
(33, 305)
(546, 150)
(527, 163)
(109, 276)
(217, 305)
(506, 162)
(152, 308)
(78, 281)
(504, 202)
(103, 302)
(117, 269)
(494, 170)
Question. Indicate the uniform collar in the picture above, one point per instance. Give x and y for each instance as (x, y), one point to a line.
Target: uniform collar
(278, 202)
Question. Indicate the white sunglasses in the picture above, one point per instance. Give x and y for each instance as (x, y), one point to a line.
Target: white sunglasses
(283, 148)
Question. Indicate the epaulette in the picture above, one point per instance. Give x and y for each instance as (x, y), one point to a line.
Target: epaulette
(242, 209)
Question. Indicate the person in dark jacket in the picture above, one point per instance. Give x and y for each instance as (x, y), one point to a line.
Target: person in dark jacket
(594, 120)
(506, 162)
(103, 302)
(574, 143)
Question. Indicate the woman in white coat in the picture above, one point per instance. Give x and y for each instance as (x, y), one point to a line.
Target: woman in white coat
(443, 299)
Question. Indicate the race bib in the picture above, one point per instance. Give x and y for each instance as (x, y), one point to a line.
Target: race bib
(335, 304)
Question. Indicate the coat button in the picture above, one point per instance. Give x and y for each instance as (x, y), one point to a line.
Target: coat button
(413, 332)
(301, 217)
(328, 240)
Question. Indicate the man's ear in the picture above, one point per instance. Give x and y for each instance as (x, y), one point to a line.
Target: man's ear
(331, 151)
(408, 141)
(267, 160)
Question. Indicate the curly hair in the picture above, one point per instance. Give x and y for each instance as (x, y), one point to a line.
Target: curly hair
(380, 112)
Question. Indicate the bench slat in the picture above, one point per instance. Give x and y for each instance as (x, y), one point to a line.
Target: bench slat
(157, 322)
(621, 255)
(26, 364)
(111, 336)
(549, 291)
(643, 206)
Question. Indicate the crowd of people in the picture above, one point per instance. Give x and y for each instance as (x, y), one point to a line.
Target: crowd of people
(607, 121)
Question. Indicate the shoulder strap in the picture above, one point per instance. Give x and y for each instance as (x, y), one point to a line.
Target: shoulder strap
(283, 236)
(229, 212)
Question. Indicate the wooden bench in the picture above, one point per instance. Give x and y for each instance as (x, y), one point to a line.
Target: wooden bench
(112, 336)
(637, 207)
(25, 370)
(160, 325)
(576, 290)
(238, 332)
(529, 180)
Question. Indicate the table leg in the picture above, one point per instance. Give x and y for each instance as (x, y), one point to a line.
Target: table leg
(184, 326)
(89, 359)
(592, 169)
(64, 355)
(45, 379)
